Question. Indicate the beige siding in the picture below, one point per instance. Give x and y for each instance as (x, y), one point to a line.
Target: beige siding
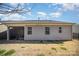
(3, 28)
(38, 33)
(75, 28)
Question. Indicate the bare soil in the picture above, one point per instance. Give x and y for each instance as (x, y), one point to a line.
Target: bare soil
(67, 48)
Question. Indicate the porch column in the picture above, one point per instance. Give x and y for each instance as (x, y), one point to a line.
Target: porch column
(24, 32)
(7, 33)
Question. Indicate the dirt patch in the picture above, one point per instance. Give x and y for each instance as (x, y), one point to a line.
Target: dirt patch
(26, 49)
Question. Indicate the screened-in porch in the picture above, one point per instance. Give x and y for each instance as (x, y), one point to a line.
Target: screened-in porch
(16, 33)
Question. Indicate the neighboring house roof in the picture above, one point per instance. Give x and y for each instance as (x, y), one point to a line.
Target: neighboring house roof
(36, 21)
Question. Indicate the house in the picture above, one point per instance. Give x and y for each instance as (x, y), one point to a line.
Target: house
(36, 30)
(75, 28)
(75, 31)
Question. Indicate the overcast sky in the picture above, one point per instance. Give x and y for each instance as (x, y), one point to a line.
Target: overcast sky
(45, 11)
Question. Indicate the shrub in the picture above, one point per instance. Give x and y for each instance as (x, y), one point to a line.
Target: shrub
(10, 52)
(63, 48)
(22, 47)
(2, 51)
(54, 49)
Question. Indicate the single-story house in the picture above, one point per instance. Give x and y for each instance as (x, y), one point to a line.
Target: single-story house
(75, 31)
(75, 28)
(36, 30)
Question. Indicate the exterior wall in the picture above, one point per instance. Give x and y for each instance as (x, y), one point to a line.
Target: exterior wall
(3, 28)
(38, 33)
(75, 28)
(75, 31)
(3, 32)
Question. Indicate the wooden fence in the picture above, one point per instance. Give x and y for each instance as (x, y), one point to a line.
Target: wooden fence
(75, 35)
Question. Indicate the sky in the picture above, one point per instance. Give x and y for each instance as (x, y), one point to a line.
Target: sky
(67, 12)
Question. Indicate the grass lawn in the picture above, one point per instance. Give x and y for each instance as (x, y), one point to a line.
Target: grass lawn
(44, 49)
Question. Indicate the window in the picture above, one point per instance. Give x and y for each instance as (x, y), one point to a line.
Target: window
(60, 29)
(29, 30)
(47, 30)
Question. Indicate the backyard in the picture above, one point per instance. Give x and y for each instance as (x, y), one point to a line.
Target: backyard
(43, 48)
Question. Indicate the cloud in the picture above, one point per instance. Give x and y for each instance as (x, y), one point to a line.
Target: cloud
(30, 11)
(16, 4)
(1, 15)
(13, 4)
(14, 17)
(41, 13)
(66, 6)
(77, 5)
(69, 6)
(53, 4)
(56, 14)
